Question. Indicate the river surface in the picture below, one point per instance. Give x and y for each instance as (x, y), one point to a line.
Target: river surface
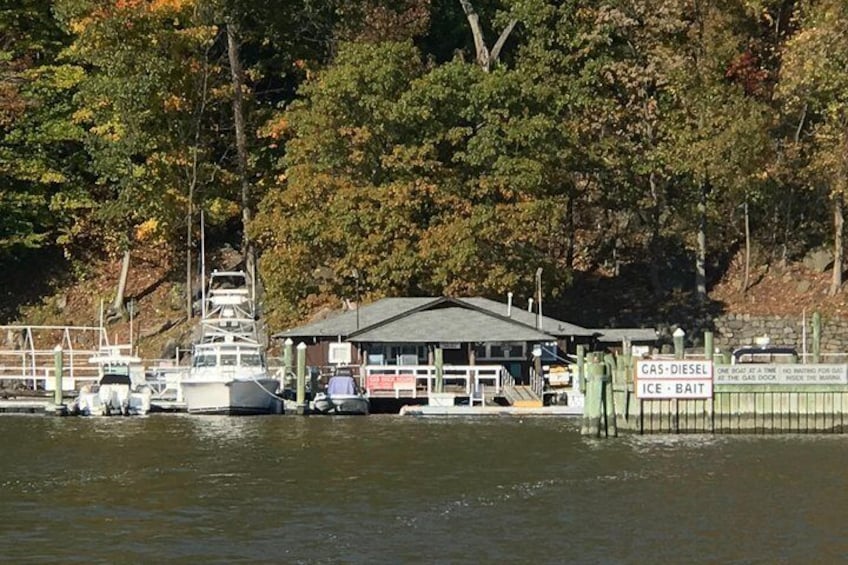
(390, 489)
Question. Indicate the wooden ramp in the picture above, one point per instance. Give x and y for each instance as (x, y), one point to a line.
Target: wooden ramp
(522, 396)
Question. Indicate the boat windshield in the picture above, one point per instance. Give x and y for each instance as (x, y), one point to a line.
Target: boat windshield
(227, 282)
(229, 359)
(251, 360)
(204, 360)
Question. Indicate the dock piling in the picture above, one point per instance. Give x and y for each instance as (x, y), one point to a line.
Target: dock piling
(708, 345)
(287, 361)
(581, 374)
(301, 378)
(817, 327)
(594, 397)
(58, 368)
(677, 337)
(440, 364)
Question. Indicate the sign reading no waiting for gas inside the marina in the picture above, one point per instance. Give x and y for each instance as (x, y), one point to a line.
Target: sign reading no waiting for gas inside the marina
(666, 379)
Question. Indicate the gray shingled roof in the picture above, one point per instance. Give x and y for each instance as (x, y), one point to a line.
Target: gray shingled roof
(611, 335)
(449, 324)
(551, 326)
(344, 323)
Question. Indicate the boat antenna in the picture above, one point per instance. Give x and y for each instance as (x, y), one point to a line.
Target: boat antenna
(253, 285)
(202, 266)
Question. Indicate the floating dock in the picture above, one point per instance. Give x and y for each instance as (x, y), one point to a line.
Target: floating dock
(26, 406)
(425, 410)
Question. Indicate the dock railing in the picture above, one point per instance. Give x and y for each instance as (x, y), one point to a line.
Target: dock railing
(466, 377)
(27, 355)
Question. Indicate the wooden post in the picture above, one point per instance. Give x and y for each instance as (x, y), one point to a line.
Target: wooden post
(677, 336)
(708, 346)
(610, 426)
(622, 387)
(817, 337)
(592, 405)
(301, 378)
(57, 362)
(537, 364)
(581, 375)
(440, 364)
(709, 355)
(287, 361)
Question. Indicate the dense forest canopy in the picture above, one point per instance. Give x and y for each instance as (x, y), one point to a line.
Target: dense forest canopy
(427, 147)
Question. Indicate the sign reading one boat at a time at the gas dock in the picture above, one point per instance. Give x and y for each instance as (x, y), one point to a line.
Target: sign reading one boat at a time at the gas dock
(664, 379)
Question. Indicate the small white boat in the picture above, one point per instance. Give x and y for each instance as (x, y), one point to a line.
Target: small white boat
(341, 397)
(120, 389)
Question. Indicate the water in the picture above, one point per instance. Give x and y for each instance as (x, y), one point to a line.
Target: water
(388, 489)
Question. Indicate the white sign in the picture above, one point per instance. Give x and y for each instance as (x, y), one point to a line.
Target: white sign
(782, 374)
(664, 379)
(673, 388)
(339, 353)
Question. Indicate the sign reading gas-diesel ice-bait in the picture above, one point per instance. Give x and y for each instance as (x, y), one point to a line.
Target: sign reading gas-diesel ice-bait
(674, 379)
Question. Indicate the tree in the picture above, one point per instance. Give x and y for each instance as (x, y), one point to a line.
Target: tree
(814, 84)
(42, 166)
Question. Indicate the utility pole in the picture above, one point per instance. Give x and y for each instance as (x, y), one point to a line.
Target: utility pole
(539, 297)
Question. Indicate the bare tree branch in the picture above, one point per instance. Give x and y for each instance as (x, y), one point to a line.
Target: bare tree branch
(477, 32)
(496, 50)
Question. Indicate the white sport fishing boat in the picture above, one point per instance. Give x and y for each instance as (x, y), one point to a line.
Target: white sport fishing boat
(120, 389)
(228, 372)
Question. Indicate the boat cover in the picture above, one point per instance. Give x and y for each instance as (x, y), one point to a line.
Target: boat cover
(341, 385)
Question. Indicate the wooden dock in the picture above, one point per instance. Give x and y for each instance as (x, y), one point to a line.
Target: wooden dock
(758, 398)
(26, 406)
(476, 411)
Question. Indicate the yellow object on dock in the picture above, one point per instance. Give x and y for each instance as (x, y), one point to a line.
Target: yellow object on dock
(527, 404)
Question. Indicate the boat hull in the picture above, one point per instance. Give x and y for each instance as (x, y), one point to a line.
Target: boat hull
(249, 396)
(350, 405)
(112, 400)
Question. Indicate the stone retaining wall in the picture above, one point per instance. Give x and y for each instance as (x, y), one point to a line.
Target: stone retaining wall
(735, 330)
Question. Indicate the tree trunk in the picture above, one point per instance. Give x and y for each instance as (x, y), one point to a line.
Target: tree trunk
(485, 58)
(655, 237)
(569, 222)
(838, 222)
(701, 252)
(118, 304)
(192, 186)
(746, 282)
(241, 140)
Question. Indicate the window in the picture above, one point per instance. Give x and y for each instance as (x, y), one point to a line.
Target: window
(251, 360)
(502, 350)
(204, 360)
(404, 354)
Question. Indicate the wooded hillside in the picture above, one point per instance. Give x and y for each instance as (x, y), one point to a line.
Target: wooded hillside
(367, 148)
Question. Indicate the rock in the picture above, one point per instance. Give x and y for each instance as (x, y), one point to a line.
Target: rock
(169, 350)
(819, 260)
(803, 286)
(166, 325)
